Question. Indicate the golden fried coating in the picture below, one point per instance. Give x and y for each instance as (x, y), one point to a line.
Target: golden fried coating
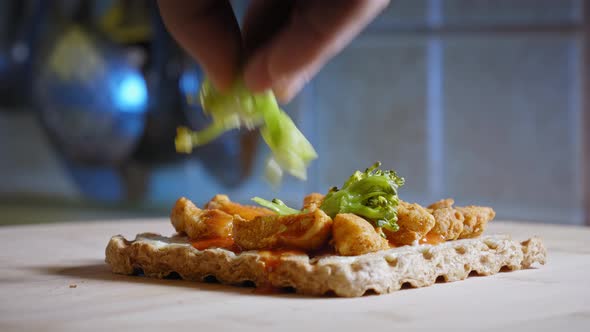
(443, 203)
(448, 223)
(459, 222)
(312, 201)
(353, 236)
(248, 212)
(307, 231)
(476, 220)
(414, 222)
(197, 223)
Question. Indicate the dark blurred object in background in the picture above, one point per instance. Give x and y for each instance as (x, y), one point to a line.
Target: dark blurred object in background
(110, 87)
(19, 32)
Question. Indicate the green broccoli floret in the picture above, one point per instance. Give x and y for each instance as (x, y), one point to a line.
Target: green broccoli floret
(239, 107)
(276, 205)
(371, 194)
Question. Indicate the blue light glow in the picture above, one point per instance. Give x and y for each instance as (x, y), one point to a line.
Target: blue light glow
(131, 93)
(189, 82)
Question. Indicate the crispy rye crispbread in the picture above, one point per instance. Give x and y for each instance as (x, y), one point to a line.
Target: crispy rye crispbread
(380, 272)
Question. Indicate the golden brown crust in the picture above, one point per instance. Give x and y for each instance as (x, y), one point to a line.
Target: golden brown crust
(312, 201)
(443, 203)
(196, 223)
(448, 223)
(248, 212)
(476, 220)
(414, 222)
(307, 231)
(353, 235)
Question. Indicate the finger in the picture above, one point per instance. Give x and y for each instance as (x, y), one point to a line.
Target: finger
(262, 20)
(316, 31)
(209, 32)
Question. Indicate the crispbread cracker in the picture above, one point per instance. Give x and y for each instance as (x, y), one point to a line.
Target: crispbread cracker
(380, 272)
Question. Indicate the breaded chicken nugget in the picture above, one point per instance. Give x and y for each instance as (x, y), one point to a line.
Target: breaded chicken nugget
(448, 223)
(197, 223)
(476, 220)
(307, 231)
(414, 222)
(443, 203)
(312, 201)
(354, 235)
(248, 212)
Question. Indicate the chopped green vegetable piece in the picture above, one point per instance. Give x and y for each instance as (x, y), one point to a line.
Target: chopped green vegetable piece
(276, 205)
(371, 194)
(237, 108)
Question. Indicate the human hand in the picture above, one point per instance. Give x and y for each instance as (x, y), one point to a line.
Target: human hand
(282, 45)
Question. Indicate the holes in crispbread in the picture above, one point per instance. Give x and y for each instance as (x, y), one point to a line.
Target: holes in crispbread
(355, 267)
(137, 271)
(491, 245)
(427, 255)
(248, 283)
(505, 268)
(461, 250)
(211, 279)
(370, 291)
(406, 285)
(392, 261)
(173, 276)
(441, 279)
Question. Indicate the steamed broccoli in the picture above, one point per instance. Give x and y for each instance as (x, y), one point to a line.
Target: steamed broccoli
(371, 194)
(238, 107)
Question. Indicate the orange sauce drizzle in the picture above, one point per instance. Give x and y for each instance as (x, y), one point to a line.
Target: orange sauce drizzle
(272, 258)
(432, 238)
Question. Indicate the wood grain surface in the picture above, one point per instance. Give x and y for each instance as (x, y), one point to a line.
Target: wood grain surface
(53, 278)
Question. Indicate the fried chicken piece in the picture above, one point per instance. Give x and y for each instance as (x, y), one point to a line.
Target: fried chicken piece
(248, 212)
(476, 220)
(448, 223)
(312, 201)
(307, 231)
(197, 223)
(443, 203)
(414, 222)
(459, 222)
(354, 235)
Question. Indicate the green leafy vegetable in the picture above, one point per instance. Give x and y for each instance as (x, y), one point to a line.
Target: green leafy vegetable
(371, 194)
(238, 107)
(276, 205)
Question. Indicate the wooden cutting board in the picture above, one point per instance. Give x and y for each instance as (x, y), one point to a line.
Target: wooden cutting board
(53, 278)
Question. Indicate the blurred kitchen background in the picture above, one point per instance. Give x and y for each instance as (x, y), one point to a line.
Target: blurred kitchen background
(485, 101)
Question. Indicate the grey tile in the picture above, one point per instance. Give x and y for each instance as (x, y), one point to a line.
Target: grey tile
(370, 105)
(511, 12)
(403, 12)
(510, 121)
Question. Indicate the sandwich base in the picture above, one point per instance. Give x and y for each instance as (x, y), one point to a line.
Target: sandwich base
(381, 272)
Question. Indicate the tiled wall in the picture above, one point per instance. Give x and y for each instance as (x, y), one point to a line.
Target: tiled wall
(483, 116)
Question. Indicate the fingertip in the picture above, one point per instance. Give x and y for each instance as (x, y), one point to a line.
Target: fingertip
(286, 90)
(256, 74)
(221, 83)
